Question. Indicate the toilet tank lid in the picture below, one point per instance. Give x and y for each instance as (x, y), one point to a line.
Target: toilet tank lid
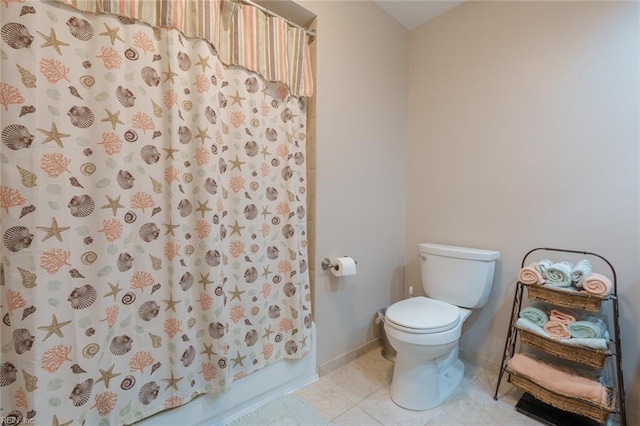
(459, 252)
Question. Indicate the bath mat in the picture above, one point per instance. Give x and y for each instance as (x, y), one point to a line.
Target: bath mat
(285, 411)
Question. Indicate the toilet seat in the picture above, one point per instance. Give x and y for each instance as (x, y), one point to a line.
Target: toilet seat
(422, 315)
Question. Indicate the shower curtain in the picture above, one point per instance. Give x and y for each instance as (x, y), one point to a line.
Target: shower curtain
(153, 218)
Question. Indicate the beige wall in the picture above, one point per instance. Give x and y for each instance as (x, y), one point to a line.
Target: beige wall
(523, 132)
(359, 173)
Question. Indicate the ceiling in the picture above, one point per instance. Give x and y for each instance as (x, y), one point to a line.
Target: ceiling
(412, 14)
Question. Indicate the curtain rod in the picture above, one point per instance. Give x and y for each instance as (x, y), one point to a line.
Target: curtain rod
(310, 33)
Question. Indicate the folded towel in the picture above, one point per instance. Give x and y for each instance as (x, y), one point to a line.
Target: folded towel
(597, 284)
(559, 381)
(590, 328)
(599, 344)
(558, 275)
(536, 312)
(542, 266)
(569, 264)
(565, 317)
(556, 330)
(581, 271)
(530, 275)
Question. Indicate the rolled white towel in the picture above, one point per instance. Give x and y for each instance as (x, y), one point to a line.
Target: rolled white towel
(542, 266)
(558, 275)
(581, 271)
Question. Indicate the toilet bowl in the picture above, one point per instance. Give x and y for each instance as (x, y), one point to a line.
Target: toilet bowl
(425, 331)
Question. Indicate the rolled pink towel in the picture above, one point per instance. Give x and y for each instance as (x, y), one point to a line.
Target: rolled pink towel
(597, 284)
(559, 381)
(563, 317)
(556, 329)
(530, 275)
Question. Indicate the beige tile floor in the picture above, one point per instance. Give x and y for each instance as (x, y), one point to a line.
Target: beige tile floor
(358, 394)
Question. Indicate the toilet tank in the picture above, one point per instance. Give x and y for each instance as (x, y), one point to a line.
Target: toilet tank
(458, 275)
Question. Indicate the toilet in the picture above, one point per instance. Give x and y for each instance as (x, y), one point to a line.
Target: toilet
(425, 331)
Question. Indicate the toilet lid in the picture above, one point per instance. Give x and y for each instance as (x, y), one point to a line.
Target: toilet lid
(422, 313)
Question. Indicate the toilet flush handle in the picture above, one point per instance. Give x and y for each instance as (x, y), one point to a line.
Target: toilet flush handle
(423, 257)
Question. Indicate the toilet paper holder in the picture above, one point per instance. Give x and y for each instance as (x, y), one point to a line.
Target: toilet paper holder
(326, 264)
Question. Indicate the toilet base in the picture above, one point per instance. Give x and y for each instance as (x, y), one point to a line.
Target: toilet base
(423, 386)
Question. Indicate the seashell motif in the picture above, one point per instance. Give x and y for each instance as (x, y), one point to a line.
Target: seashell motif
(155, 287)
(251, 84)
(212, 258)
(287, 173)
(150, 76)
(191, 323)
(27, 110)
(126, 20)
(130, 217)
(88, 258)
(22, 340)
(76, 369)
(30, 381)
(186, 281)
(82, 297)
(156, 134)
(13, 418)
(307, 321)
(125, 179)
(81, 393)
(185, 207)
(17, 238)
(131, 54)
(81, 206)
(90, 350)
(148, 310)
(274, 311)
(150, 154)
(88, 169)
(156, 341)
(288, 231)
(291, 347)
(271, 193)
(184, 135)
(271, 134)
(272, 252)
(120, 345)
(251, 148)
(210, 114)
(251, 275)
(289, 289)
(148, 393)
(222, 165)
(303, 266)
(278, 338)
(298, 157)
(75, 273)
(149, 232)
(27, 10)
(251, 338)
(88, 240)
(128, 298)
(6, 320)
(286, 115)
(214, 80)
(211, 186)
(128, 382)
(188, 356)
(16, 35)
(130, 135)
(28, 311)
(87, 81)
(26, 210)
(156, 57)
(250, 211)
(125, 262)
(16, 136)
(125, 97)
(90, 331)
(155, 366)
(86, 64)
(184, 61)
(216, 330)
(222, 100)
(80, 28)
(81, 117)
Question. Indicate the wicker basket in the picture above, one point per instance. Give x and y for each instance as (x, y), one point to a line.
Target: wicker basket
(587, 356)
(586, 301)
(581, 407)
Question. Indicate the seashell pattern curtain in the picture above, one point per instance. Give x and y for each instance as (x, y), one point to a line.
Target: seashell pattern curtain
(153, 218)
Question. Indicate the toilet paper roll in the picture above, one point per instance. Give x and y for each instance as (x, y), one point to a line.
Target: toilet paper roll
(345, 266)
